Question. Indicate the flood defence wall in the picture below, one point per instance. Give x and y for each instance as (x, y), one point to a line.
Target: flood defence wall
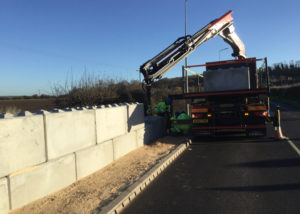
(43, 152)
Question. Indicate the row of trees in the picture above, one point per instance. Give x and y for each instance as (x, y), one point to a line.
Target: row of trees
(94, 90)
(283, 73)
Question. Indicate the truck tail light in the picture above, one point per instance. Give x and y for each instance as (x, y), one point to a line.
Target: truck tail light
(261, 113)
(197, 109)
(196, 115)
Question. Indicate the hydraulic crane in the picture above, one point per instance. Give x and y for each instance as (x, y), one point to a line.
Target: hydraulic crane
(156, 67)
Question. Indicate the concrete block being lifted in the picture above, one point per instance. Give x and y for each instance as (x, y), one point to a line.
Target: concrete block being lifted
(227, 79)
(94, 158)
(39, 181)
(69, 131)
(124, 144)
(22, 143)
(111, 122)
(4, 200)
(135, 114)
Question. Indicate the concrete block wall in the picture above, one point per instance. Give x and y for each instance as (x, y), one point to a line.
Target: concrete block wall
(40, 180)
(154, 127)
(43, 152)
(124, 144)
(93, 158)
(22, 143)
(4, 197)
(69, 131)
(111, 122)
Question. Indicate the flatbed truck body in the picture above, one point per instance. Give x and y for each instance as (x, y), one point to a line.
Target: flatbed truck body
(230, 111)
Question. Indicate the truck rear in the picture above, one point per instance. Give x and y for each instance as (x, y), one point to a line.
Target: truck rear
(235, 99)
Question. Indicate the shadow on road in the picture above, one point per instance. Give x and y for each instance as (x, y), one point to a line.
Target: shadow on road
(258, 188)
(291, 162)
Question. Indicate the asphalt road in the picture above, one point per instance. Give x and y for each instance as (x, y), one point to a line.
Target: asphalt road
(230, 175)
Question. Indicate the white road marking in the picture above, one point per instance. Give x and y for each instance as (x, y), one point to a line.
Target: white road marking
(293, 145)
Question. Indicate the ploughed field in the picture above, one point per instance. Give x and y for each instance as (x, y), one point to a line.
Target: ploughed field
(17, 105)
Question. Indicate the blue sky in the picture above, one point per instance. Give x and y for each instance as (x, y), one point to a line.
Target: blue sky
(43, 42)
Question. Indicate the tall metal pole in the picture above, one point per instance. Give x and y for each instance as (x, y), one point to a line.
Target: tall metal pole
(187, 75)
(183, 81)
(268, 84)
(185, 32)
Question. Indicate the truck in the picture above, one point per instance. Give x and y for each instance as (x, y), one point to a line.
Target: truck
(236, 92)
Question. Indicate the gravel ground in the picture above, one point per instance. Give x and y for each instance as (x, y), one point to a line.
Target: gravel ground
(91, 193)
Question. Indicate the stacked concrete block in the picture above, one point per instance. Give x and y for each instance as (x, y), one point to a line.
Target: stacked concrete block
(140, 137)
(41, 180)
(4, 199)
(124, 144)
(154, 128)
(94, 158)
(22, 143)
(44, 152)
(135, 116)
(69, 131)
(111, 122)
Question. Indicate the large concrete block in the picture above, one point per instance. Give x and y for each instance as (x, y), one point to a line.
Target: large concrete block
(111, 122)
(124, 144)
(140, 137)
(227, 79)
(41, 180)
(154, 129)
(135, 115)
(22, 143)
(94, 158)
(4, 199)
(70, 131)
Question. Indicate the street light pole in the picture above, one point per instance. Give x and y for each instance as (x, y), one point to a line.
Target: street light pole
(220, 52)
(185, 33)
(186, 72)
